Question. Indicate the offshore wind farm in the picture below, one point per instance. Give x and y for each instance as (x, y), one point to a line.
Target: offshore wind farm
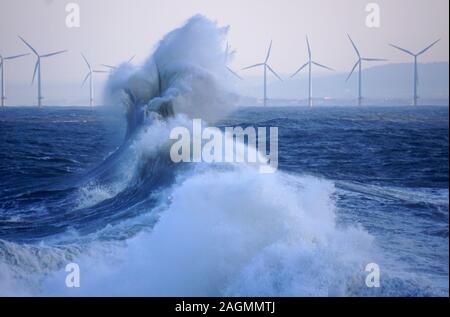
(358, 67)
(330, 46)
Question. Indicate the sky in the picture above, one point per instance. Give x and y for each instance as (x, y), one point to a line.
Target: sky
(111, 31)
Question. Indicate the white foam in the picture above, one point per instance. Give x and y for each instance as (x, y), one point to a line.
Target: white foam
(264, 235)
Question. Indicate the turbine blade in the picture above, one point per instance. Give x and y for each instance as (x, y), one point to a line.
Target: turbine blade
(234, 73)
(29, 46)
(309, 47)
(299, 70)
(131, 59)
(100, 71)
(374, 59)
(402, 49)
(34, 73)
(86, 78)
(86, 61)
(15, 56)
(268, 52)
(428, 47)
(353, 70)
(53, 54)
(354, 45)
(109, 66)
(323, 66)
(253, 66)
(273, 72)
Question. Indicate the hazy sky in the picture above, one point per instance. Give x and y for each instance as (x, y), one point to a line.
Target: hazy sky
(113, 30)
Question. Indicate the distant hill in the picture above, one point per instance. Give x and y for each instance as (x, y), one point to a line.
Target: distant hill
(392, 81)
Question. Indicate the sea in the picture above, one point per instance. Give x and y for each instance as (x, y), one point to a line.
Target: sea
(359, 206)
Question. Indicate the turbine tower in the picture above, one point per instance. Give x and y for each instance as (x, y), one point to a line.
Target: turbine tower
(227, 59)
(310, 63)
(37, 68)
(90, 76)
(2, 75)
(359, 65)
(266, 67)
(416, 73)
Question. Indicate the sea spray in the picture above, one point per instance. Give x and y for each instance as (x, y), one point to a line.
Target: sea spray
(187, 70)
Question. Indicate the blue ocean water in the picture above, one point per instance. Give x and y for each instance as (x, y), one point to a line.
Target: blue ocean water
(68, 191)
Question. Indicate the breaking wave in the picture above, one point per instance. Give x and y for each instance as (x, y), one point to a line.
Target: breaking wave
(141, 225)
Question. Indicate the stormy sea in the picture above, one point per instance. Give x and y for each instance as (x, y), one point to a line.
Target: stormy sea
(95, 187)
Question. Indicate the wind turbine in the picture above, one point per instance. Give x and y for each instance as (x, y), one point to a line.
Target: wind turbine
(227, 59)
(266, 67)
(37, 68)
(2, 74)
(310, 63)
(115, 67)
(416, 73)
(90, 76)
(359, 65)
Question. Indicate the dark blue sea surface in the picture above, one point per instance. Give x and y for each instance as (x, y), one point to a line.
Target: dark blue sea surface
(389, 166)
